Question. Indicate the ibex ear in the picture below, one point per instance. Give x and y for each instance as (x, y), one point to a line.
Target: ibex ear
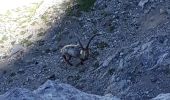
(79, 41)
(91, 39)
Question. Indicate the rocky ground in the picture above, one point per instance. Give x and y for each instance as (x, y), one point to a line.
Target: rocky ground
(52, 91)
(130, 60)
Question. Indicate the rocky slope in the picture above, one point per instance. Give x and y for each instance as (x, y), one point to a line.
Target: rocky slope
(52, 91)
(129, 60)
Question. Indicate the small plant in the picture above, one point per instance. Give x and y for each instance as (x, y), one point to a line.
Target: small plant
(8, 13)
(22, 33)
(102, 45)
(111, 71)
(58, 36)
(4, 38)
(12, 74)
(41, 34)
(104, 13)
(94, 54)
(26, 42)
(52, 77)
(73, 11)
(85, 5)
(69, 11)
(95, 31)
(1, 41)
(111, 28)
(45, 17)
(34, 23)
(73, 78)
(96, 64)
(82, 5)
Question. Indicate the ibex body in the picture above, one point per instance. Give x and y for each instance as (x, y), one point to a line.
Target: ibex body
(76, 51)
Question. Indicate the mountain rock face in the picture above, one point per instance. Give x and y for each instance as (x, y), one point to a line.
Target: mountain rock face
(52, 91)
(130, 60)
(142, 68)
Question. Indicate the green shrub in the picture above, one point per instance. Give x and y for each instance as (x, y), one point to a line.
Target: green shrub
(85, 5)
(4, 38)
(41, 34)
(82, 5)
(26, 42)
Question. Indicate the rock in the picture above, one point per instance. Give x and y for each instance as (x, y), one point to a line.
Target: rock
(163, 11)
(162, 97)
(159, 61)
(107, 61)
(142, 3)
(52, 77)
(121, 66)
(20, 94)
(118, 86)
(21, 71)
(53, 91)
(135, 61)
(16, 48)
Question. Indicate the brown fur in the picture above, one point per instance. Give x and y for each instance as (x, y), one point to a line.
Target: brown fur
(77, 51)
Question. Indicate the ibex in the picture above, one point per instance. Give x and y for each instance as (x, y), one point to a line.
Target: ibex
(77, 51)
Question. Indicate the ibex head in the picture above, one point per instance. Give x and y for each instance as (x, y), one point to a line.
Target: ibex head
(84, 52)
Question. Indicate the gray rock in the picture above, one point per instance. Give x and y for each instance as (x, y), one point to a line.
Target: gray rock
(148, 56)
(16, 48)
(162, 97)
(52, 91)
(142, 3)
(20, 94)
